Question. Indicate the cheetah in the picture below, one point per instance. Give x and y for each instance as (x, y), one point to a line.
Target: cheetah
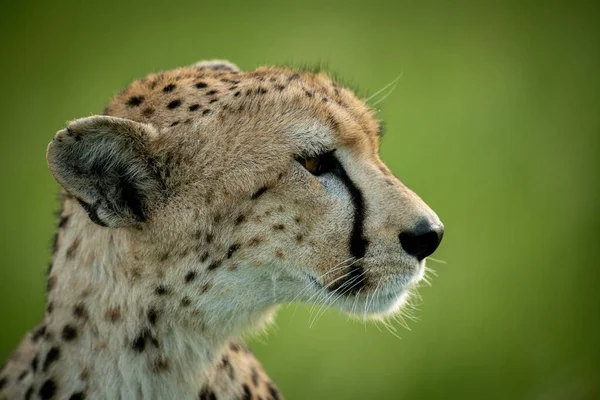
(202, 199)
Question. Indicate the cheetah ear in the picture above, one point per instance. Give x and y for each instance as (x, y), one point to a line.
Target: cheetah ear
(106, 163)
(218, 65)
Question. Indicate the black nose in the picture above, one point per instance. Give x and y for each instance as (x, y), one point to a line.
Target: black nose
(422, 240)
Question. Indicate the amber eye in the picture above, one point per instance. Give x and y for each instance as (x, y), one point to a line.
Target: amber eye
(313, 165)
(318, 165)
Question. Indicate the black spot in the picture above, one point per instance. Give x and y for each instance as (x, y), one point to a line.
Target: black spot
(139, 343)
(69, 333)
(72, 248)
(48, 390)
(204, 288)
(280, 87)
(160, 365)
(169, 88)
(255, 377)
(147, 112)
(161, 290)
(213, 101)
(207, 394)
(205, 112)
(226, 364)
(29, 393)
(273, 391)
(258, 193)
(214, 265)
(51, 357)
(261, 91)
(63, 221)
(3, 382)
(34, 363)
(200, 85)
(247, 392)
(232, 249)
(174, 124)
(152, 316)
(54, 244)
(22, 375)
(186, 301)
(209, 237)
(279, 227)
(204, 257)
(174, 104)
(194, 107)
(79, 311)
(236, 94)
(241, 218)
(211, 92)
(77, 396)
(190, 276)
(135, 101)
(39, 332)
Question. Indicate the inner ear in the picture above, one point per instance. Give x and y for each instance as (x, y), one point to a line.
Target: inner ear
(108, 165)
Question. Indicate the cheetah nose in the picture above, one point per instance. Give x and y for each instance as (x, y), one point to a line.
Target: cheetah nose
(423, 240)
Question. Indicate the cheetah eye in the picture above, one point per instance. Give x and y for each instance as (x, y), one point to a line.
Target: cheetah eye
(319, 164)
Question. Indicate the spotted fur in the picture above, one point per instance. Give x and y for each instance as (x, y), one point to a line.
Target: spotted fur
(188, 216)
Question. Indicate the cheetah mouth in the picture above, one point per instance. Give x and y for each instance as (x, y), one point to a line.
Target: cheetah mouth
(385, 295)
(350, 283)
(353, 282)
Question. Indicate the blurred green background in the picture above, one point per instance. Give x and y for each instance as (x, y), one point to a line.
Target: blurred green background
(495, 122)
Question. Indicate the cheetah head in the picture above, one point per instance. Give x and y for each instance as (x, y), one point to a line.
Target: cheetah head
(265, 185)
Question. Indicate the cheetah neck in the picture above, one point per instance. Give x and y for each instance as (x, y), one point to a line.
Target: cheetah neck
(126, 331)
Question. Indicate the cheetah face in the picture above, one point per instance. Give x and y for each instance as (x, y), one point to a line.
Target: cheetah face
(268, 184)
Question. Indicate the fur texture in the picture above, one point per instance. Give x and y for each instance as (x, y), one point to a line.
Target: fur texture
(190, 212)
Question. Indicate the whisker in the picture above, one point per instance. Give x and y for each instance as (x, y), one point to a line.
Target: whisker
(430, 271)
(329, 284)
(310, 284)
(386, 95)
(383, 88)
(437, 260)
(372, 299)
(350, 284)
(390, 328)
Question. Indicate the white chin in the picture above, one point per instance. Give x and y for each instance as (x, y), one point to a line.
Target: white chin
(382, 306)
(396, 305)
